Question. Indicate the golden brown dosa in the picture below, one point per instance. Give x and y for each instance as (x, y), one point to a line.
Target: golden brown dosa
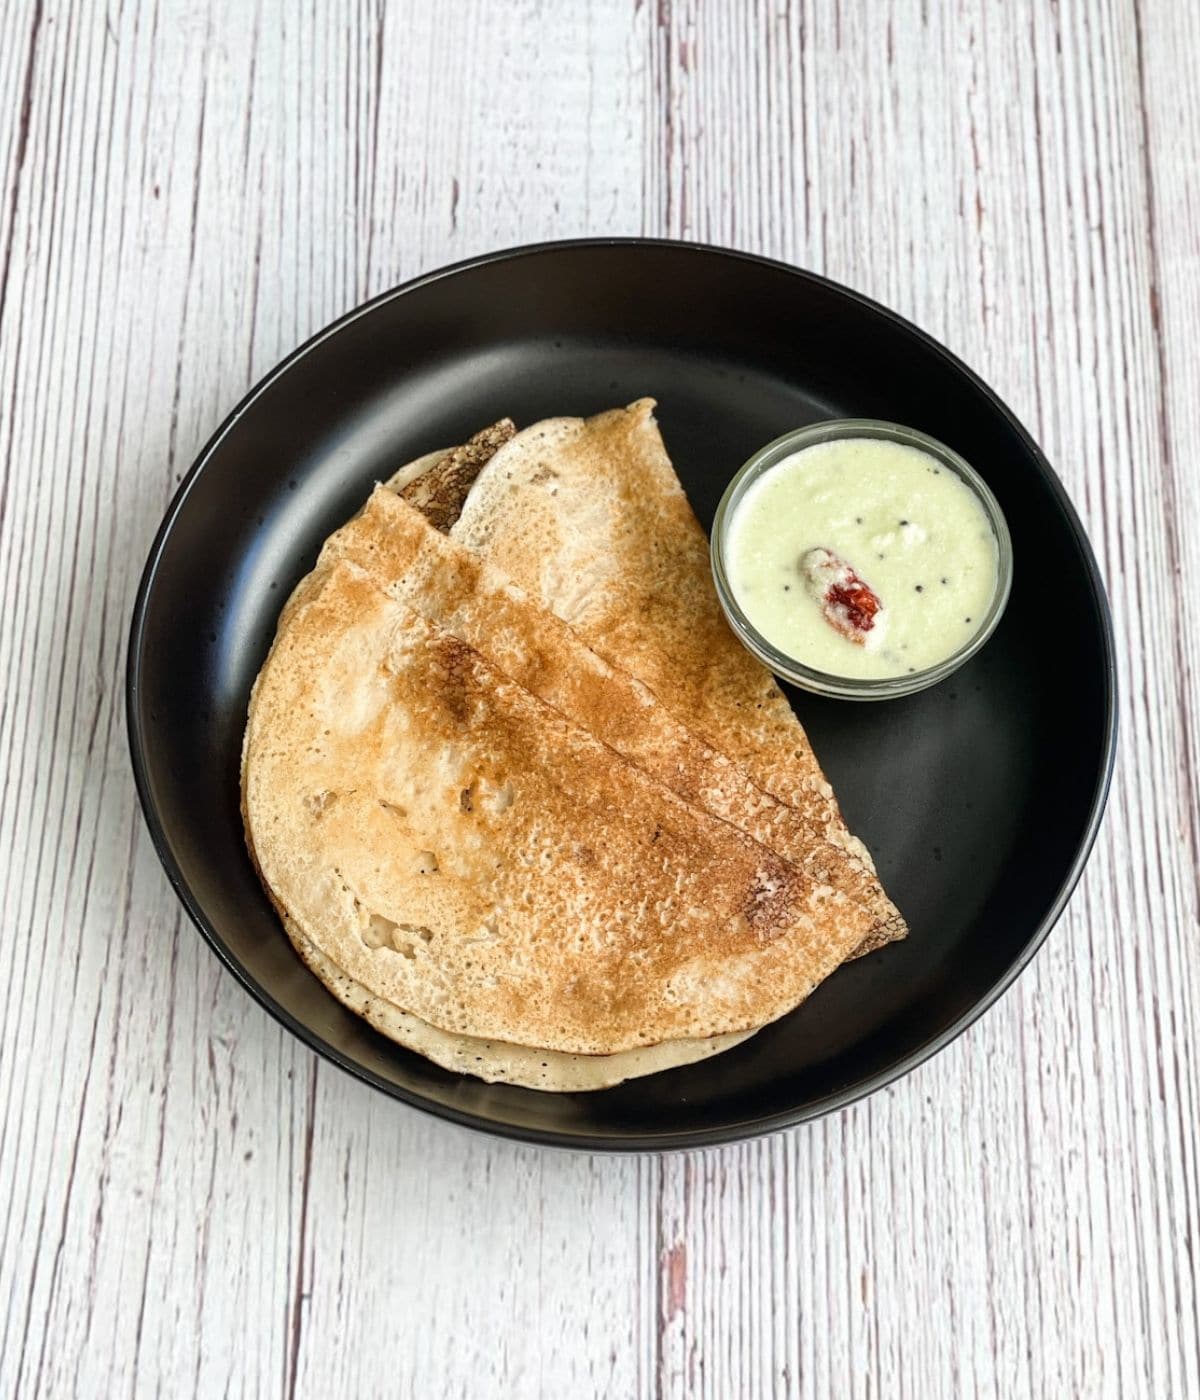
(462, 851)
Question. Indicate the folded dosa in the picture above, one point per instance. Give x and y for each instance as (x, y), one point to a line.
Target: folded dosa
(588, 518)
(456, 588)
(460, 850)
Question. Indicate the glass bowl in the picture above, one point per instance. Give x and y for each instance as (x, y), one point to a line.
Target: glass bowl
(854, 687)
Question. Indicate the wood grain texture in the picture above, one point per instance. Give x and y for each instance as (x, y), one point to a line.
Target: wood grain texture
(189, 1203)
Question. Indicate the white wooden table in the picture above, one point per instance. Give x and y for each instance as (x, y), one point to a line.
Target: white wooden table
(191, 1204)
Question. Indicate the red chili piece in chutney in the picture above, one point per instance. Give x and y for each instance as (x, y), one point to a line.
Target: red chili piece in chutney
(848, 603)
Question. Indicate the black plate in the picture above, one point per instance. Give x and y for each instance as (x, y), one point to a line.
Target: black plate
(980, 797)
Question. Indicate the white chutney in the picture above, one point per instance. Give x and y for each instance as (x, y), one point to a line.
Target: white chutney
(861, 557)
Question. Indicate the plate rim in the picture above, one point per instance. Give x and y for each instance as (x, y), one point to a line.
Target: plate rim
(738, 1131)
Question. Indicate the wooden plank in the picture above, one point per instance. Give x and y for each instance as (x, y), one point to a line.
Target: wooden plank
(145, 1166)
(1167, 38)
(188, 1203)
